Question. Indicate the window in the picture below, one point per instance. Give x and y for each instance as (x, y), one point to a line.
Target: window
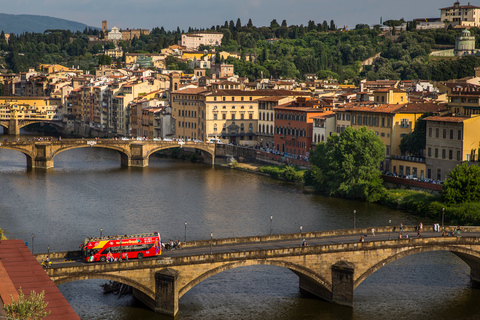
(458, 156)
(450, 154)
(339, 116)
(439, 174)
(429, 152)
(451, 134)
(383, 122)
(437, 133)
(404, 123)
(429, 173)
(414, 173)
(250, 116)
(430, 132)
(214, 116)
(224, 116)
(459, 134)
(444, 133)
(436, 153)
(233, 116)
(443, 153)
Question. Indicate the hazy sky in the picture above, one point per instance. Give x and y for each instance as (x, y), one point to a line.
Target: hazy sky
(203, 14)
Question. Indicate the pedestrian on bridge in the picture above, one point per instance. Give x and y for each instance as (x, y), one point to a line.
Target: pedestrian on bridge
(373, 232)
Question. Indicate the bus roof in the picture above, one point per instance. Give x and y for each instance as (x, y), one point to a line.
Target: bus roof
(119, 237)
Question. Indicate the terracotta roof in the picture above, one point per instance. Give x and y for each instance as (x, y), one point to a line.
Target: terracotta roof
(190, 91)
(277, 98)
(235, 92)
(461, 7)
(324, 116)
(370, 107)
(446, 119)
(422, 108)
(18, 267)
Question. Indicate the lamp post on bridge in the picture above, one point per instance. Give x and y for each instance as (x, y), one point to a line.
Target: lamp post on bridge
(354, 219)
(48, 251)
(389, 228)
(271, 219)
(443, 215)
(185, 231)
(101, 231)
(33, 243)
(211, 242)
(301, 228)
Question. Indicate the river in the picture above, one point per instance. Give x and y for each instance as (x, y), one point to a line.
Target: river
(88, 190)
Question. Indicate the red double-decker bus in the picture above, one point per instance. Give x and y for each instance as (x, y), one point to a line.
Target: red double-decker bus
(114, 248)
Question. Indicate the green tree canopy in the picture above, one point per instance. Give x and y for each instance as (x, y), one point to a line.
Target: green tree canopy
(414, 143)
(31, 307)
(347, 165)
(462, 185)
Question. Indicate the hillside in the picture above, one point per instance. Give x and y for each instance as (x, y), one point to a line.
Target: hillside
(13, 23)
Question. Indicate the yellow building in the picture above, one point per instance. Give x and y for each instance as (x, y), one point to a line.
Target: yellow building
(451, 140)
(50, 68)
(390, 96)
(190, 55)
(462, 16)
(29, 108)
(390, 122)
(464, 100)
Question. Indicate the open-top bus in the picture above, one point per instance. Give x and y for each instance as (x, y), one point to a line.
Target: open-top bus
(113, 248)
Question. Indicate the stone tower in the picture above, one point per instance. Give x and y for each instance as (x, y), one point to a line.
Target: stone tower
(104, 27)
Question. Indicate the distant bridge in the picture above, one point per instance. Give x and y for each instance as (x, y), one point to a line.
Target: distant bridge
(13, 126)
(331, 267)
(133, 153)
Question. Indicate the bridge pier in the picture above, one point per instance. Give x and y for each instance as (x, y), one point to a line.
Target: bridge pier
(166, 292)
(342, 283)
(42, 159)
(13, 127)
(138, 157)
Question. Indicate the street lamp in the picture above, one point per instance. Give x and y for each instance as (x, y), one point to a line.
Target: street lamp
(48, 250)
(271, 219)
(354, 219)
(443, 215)
(33, 243)
(389, 228)
(301, 228)
(101, 231)
(211, 242)
(185, 231)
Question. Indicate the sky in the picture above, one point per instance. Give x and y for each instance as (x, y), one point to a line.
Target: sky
(147, 14)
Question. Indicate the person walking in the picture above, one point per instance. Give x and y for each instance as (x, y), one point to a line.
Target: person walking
(373, 232)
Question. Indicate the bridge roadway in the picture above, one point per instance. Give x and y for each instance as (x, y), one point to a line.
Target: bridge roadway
(133, 153)
(331, 267)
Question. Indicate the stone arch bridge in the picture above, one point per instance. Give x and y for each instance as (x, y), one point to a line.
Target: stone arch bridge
(328, 271)
(13, 126)
(133, 153)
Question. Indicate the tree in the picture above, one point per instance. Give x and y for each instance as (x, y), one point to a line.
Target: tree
(462, 185)
(30, 307)
(104, 60)
(347, 164)
(414, 143)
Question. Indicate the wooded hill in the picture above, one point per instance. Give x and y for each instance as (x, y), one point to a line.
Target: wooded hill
(295, 51)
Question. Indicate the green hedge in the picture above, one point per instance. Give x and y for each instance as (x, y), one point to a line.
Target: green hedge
(428, 205)
(286, 172)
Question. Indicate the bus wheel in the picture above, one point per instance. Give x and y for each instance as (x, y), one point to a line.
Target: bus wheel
(140, 256)
(103, 259)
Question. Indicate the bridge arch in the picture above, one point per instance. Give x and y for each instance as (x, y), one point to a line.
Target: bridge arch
(470, 257)
(123, 154)
(174, 146)
(299, 270)
(105, 276)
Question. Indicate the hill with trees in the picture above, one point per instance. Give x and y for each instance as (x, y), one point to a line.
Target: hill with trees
(278, 50)
(20, 23)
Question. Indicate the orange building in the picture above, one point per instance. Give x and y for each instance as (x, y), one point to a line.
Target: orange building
(294, 126)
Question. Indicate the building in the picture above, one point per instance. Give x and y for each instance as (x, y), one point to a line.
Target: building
(323, 127)
(461, 16)
(193, 41)
(266, 119)
(451, 140)
(129, 34)
(114, 34)
(294, 127)
(222, 70)
(390, 122)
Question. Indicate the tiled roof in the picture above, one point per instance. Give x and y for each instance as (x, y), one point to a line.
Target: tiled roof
(446, 119)
(18, 267)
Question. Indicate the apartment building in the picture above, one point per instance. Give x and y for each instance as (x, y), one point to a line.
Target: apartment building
(188, 112)
(294, 127)
(266, 119)
(451, 140)
(390, 122)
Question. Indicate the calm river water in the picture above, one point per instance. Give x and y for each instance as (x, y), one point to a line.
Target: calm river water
(88, 190)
